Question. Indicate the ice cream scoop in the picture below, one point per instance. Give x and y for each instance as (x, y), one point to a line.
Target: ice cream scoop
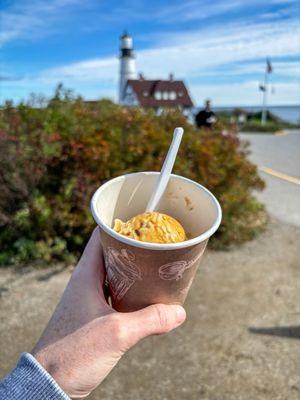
(152, 227)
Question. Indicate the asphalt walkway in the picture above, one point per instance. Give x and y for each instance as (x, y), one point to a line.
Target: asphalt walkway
(278, 160)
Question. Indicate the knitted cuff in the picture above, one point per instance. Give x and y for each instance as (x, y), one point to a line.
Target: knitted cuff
(30, 381)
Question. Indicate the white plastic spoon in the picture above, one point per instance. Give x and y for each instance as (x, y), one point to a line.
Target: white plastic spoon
(166, 170)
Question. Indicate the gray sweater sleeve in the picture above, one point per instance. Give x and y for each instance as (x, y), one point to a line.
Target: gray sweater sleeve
(30, 381)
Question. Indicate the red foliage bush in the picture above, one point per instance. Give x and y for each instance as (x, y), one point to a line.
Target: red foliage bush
(52, 158)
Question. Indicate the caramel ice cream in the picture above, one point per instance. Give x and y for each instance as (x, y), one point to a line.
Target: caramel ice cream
(152, 227)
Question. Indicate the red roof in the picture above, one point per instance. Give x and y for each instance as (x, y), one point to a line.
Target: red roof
(148, 93)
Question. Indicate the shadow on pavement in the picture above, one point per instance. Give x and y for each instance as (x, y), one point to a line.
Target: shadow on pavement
(49, 274)
(292, 332)
(2, 290)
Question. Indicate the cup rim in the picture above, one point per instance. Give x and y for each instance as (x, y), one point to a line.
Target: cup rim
(156, 246)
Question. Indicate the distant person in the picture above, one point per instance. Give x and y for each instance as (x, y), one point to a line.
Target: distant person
(206, 117)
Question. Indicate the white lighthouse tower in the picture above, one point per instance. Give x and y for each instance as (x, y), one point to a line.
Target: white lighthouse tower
(127, 64)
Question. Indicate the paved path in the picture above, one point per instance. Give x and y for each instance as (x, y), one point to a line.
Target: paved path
(278, 154)
(241, 340)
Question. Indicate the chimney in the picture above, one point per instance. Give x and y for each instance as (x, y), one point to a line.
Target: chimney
(141, 77)
(171, 76)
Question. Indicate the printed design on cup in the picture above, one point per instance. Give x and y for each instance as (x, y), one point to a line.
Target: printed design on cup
(175, 270)
(121, 271)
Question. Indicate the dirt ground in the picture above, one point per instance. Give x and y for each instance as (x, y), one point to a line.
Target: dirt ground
(241, 339)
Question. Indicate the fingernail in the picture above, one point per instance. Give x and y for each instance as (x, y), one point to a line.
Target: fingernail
(180, 314)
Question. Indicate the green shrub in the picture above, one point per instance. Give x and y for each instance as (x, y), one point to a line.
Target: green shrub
(273, 123)
(252, 121)
(254, 125)
(52, 159)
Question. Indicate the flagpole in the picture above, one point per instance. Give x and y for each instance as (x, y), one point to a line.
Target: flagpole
(264, 106)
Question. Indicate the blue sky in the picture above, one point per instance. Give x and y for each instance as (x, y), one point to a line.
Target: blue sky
(217, 46)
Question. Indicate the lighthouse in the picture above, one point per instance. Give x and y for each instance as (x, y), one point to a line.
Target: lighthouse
(127, 64)
(156, 94)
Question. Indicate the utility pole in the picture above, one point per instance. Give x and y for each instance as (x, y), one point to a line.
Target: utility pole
(264, 105)
(265, 88)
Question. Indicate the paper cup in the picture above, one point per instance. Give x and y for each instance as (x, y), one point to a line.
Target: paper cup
(140, 273)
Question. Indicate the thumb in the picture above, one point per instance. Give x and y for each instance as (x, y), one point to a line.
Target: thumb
(153, 320)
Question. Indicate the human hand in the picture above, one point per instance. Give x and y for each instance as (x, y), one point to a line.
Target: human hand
(85, 338)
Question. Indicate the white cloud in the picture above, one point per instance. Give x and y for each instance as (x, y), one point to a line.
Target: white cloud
(190, 10)
(246, 94)
(105, 69)
(281, 69)
(20, 90)
(194, 10)
(228, 51)
(29, 19)
(285, 1)
(189, 55)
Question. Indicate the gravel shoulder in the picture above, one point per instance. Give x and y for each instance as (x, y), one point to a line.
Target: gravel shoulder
(241, 340)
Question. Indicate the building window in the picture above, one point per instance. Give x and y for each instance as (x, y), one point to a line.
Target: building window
(172, 95)
(165, 95)
(158, 95)
(180, 94)
(145, 94)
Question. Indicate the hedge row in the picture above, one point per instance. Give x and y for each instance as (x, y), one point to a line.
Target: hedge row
(53, 157)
